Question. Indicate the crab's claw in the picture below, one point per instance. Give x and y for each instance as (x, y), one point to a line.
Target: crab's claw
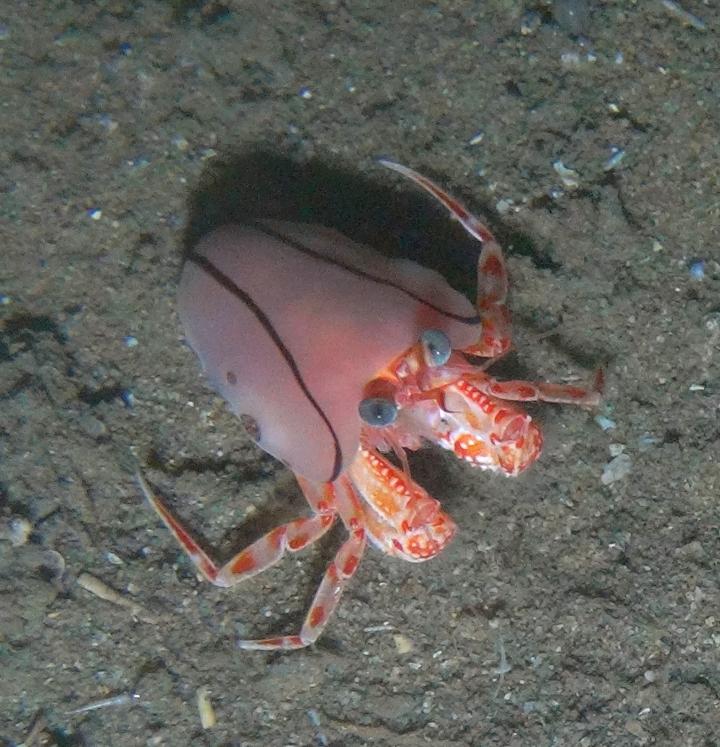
(400, 517)
(487, 432)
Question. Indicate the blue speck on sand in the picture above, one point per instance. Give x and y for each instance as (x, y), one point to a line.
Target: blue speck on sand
(697, 269)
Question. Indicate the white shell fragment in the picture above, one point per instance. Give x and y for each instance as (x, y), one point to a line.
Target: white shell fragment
(477, 138)
(569, 177)
(617, 155)
(101, 589)
(205, 709)
(616, 469)
(684, 16)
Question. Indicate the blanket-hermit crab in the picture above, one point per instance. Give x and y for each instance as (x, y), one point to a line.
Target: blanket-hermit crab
(333, 356)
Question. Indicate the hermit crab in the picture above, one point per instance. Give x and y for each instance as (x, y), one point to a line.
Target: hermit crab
(337, 358)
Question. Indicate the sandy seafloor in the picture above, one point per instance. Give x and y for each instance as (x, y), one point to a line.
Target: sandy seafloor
(567, 611)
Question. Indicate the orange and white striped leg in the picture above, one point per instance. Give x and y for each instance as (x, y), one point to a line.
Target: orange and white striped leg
(342, 498)
(469, 222)
(261, 554)
(338, 573)
(496, 335)
(531, 391)
(492, 286)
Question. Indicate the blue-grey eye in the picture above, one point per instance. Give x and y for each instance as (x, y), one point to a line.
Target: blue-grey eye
(436, 347)
(378, 411)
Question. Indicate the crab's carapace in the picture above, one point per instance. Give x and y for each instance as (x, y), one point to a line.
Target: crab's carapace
(291, 321)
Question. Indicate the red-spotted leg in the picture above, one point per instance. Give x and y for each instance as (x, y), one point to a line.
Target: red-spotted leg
(480, 424)
(542, 391)
(492, 288)
(342, 496)
(261, 554)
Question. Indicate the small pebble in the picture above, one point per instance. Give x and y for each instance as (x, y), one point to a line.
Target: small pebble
(530, 23)
(503, 207)
(572, 15)
(19, 531)
(53, 563)
(139, 162)
(712, 323)
(106, 121)
(130, 341)
(314, 719)
(647, 441)
(570, 59)
(92, 426)
(605, 423)
(128, 398)
(180, 143)
(403, 645)
(692, 551)
(635, 728)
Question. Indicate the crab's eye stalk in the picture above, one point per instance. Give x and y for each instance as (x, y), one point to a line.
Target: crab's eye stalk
(436, 347)
(378, 412)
